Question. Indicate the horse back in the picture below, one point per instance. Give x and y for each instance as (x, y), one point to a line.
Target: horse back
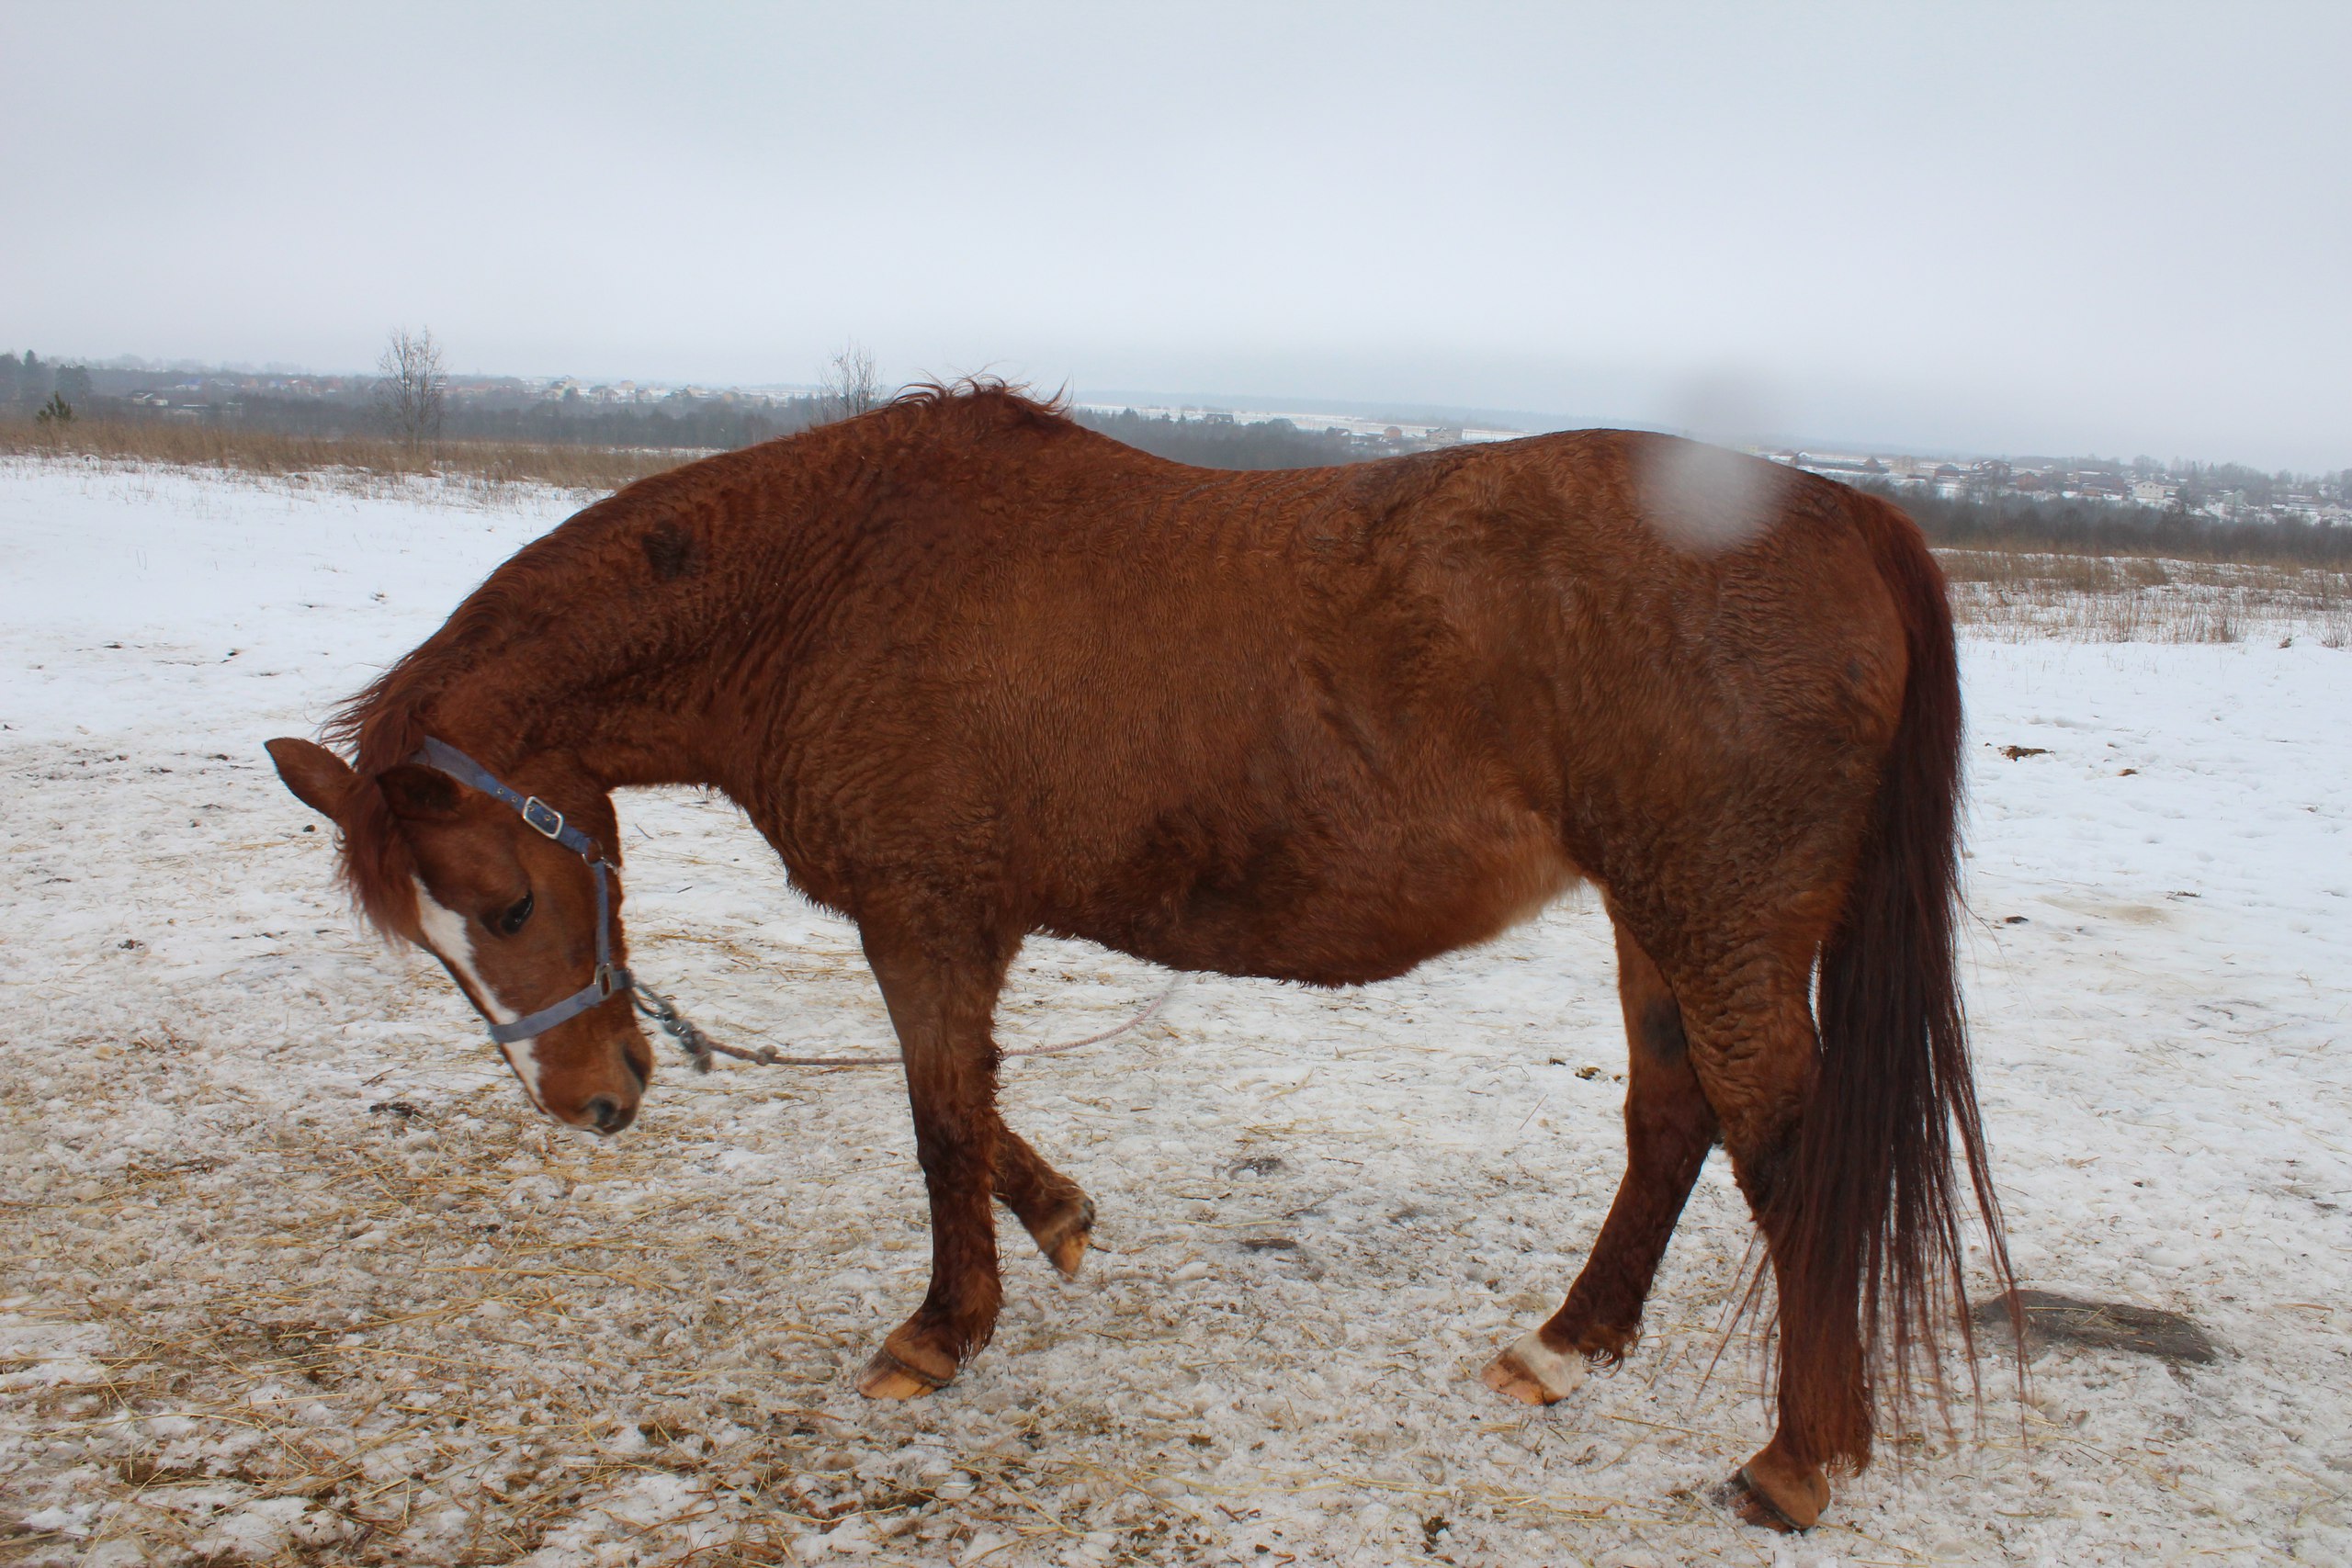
(1325, 724)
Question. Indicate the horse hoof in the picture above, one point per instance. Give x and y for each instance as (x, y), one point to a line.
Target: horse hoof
(1776, 1496)
(1533, 1373)
(1065, 1243)
(886, 1377)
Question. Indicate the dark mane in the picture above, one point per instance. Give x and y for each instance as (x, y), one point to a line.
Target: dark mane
(990, 394)
(381, 727)
(975, 408)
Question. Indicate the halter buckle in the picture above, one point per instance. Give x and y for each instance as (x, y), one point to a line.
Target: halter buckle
(543, 816)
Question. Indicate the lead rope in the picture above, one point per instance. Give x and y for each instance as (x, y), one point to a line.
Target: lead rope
(700, 1047)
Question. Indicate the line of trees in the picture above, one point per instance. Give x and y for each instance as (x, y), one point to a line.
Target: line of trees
(33, 382)
(409, 399)
(2086, 528)
(1229, 444)
(686, 424)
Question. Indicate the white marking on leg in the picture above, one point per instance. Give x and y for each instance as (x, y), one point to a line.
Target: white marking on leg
(1559, 1375)
(446, 934)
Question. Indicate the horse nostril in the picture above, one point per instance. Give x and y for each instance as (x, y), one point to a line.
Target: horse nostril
(606, 1114)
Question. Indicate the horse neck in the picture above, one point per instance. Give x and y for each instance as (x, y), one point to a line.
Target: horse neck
(578, 646)
(525, 702)
(580, 651)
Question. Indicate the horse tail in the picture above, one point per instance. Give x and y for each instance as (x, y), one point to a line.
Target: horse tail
(1873, 1201)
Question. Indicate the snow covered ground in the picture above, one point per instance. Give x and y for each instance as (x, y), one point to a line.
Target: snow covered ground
(292, 1274)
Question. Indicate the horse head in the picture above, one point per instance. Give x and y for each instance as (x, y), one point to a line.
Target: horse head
(512, 897)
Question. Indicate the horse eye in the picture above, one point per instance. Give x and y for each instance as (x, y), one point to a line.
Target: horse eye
(512, 920)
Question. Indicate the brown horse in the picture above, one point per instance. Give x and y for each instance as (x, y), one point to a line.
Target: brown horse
(975, 671)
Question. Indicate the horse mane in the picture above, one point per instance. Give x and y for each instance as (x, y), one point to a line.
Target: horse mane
(382, 725)
(982, 391)
(978, 406)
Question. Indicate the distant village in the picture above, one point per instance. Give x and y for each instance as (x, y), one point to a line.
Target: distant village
(573, 409)
(2226, 492)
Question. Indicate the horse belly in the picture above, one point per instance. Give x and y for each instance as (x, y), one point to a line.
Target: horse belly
(1354, 914)
(1432, 911)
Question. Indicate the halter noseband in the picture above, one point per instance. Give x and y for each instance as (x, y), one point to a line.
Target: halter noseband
(609, 982)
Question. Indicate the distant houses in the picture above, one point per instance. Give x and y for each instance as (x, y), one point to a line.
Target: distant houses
(2114, 484)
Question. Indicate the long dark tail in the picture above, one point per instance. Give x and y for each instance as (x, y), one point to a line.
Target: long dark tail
(1873, 1204)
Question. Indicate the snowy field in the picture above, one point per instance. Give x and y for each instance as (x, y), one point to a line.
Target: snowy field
(292, 1274)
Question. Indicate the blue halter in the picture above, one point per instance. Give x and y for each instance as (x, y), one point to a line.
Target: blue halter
(609, 981)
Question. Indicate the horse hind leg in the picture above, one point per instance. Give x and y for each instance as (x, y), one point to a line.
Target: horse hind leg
(1058, 1215)
(1669, 1126)
(1755, 1057)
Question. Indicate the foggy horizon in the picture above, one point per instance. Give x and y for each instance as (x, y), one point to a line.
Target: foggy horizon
(2091, 230)
(1527, 421)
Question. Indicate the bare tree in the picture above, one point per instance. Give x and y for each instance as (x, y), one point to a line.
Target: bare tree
(411, 385)
(850, 385)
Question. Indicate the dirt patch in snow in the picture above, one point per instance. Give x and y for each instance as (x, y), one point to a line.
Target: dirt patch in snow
(2052, 1317)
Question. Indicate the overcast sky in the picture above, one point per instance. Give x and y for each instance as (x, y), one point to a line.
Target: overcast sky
(2115, 229)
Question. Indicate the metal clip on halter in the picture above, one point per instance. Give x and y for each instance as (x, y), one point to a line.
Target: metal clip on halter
(701, 1047)
(675, 1024)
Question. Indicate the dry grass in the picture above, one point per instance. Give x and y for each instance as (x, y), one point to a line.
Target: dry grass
(351, 462)
(2024, 596)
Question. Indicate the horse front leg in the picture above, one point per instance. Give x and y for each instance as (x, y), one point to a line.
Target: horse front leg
(942, 994)
(1669, 1126)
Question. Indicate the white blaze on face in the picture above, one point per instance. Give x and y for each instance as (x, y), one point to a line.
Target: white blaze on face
(445, 932)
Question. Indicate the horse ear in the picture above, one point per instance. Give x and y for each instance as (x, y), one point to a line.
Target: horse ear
(418, 793)
(320, 779)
